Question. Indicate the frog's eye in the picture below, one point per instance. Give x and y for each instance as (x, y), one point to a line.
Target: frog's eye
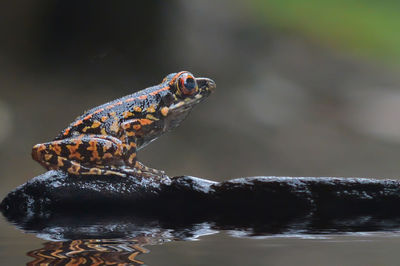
(187, 84)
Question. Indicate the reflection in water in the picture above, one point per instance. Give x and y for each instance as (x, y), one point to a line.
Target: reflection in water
(104, 242)
(117, 241)
(90, 252)
(118, 238)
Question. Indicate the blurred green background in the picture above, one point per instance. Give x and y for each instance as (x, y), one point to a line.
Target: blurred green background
(304, 88)
(365, 28)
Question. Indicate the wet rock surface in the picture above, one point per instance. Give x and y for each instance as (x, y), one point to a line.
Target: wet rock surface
(263, 204)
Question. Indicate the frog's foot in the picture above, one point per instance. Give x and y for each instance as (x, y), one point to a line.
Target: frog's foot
(141, 167)
(136, 173)
(140, 170)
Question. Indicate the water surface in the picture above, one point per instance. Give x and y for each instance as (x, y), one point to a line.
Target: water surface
(198, 244)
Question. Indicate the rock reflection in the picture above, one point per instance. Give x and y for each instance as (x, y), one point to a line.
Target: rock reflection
(114, 240)
(91, 252)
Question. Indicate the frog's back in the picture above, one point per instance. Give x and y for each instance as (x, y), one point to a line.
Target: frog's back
(106, 118)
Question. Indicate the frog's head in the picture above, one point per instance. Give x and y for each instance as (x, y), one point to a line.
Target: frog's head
(188, 90)
(185, 91)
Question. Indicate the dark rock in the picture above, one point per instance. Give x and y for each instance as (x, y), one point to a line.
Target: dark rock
(264, 204)
(55, 191)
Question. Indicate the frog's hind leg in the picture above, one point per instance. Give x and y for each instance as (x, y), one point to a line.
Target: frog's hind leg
(131, 130)
(82, 155)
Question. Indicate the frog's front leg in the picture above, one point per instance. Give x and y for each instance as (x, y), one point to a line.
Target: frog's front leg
(131, 129)
(82, 155)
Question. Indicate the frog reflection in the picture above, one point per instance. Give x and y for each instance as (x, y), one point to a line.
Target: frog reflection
(91, 252)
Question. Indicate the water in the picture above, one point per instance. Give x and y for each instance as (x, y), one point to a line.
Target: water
(138, 243)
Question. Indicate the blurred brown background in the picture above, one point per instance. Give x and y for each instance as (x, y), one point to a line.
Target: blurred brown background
(307, 89)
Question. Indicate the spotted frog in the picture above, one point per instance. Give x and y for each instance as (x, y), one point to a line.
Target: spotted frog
(105, 140)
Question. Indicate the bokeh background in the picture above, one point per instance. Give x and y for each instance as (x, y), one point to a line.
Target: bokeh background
(304, 88)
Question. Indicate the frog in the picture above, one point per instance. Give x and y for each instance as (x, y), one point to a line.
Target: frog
(105, 140)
